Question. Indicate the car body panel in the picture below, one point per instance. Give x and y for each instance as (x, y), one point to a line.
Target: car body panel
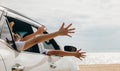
(35, 62)
(2, 65)
(7, 54)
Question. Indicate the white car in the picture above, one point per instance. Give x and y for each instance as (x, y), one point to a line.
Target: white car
(32, 59)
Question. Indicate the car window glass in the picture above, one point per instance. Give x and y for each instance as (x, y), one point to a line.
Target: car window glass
(48, 45)
(5, 35)
(2, 21)
(1, 14)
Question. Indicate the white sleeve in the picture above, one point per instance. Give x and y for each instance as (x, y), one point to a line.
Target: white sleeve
(20, 45)
(46, 51)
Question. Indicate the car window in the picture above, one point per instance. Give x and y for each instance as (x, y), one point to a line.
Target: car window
(48, 45)
(23, 28)
(51, 44)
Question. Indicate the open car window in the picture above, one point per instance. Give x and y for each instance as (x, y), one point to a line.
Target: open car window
(24, 29)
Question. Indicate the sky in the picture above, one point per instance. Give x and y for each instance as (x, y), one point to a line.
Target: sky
(97, 22)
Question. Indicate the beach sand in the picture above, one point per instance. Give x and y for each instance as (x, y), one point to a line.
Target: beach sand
(100, 67)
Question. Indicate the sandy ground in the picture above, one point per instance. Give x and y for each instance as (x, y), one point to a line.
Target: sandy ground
(100, 67)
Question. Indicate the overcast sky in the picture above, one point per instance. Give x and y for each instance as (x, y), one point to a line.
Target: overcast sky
(97, 22)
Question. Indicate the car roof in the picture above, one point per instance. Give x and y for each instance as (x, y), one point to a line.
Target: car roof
(12, 13)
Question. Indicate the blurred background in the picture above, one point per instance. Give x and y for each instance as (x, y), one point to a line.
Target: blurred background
(97, 22)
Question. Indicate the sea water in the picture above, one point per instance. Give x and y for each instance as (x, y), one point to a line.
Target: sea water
(102, 58)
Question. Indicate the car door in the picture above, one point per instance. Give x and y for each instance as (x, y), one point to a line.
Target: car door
(34, 60)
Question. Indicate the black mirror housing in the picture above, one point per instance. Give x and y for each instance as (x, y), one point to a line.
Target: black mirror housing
(70, 48)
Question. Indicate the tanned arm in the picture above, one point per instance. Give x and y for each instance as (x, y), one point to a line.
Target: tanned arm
(40, 38)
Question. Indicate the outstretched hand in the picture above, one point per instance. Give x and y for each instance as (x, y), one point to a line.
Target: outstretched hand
(80, 54)
(41, 29)
(66, 30)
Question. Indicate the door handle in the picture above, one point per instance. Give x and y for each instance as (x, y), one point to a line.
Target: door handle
(17, 67)
(52, 65)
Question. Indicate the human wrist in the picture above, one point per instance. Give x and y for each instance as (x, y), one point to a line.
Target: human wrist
(76, 55)
(56, 33)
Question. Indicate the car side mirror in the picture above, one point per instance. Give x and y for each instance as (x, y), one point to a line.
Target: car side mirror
(70, 48)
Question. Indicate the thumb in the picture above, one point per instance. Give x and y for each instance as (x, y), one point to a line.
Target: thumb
(78, 50)
(62, 26)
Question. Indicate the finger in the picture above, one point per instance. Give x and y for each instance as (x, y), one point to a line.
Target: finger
(80, 59)
(83, 52)
(69, 35)
(78, 50)
(69, 25)
(71, 32)
(71, 29)
(62, 25)
(83, 56)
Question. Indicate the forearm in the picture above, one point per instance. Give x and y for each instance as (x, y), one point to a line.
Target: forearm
(45, 37)
(61, 53)
(39, 38)
(29, 36)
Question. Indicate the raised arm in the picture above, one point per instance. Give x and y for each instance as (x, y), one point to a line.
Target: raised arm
(44, 37)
